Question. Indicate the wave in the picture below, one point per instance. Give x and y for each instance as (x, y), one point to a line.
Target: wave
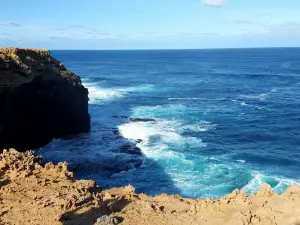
(202, 126)
(158, 132)
(278, 184)
(242, 103)
(286, 65)
(160, 111)
(260, 97)
(98, 94)
(139, 88)
(243, 73)
(159, 139)
(197, 98)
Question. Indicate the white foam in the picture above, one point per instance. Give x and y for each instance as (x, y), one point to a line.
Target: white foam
(96, 94)
(242, 103)
(197, 98)
(202, 126)
(259, 178)
(139, 88)
(144, 131)
(286, 65)
(160, 111)
(159, 137)
(99, 94)
(261, 97)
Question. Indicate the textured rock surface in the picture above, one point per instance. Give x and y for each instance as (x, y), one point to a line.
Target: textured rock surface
(39, 99)
(34, 194)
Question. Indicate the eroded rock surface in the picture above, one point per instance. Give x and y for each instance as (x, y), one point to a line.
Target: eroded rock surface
(39, 99)
(32, 193)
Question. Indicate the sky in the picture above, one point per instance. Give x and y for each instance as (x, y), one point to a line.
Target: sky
(150, 24)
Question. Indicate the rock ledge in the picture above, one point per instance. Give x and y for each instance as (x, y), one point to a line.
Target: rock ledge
(33, 193)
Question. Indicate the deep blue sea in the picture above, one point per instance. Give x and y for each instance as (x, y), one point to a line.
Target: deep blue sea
(222, 119)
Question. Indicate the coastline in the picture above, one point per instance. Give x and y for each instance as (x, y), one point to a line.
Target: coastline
(33, 193)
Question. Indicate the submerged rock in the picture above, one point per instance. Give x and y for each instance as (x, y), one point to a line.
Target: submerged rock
(130, 149)
(141, 120)
(39, 99)
(133, 119)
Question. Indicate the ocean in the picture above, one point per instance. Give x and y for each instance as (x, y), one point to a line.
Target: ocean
(199, 123)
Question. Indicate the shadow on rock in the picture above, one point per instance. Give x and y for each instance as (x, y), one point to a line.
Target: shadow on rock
(96, 215)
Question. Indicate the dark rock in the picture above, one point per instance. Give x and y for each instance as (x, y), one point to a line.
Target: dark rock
(139, 140)
(130, 149)
(131, 119)
(39, 99)
(141, 120)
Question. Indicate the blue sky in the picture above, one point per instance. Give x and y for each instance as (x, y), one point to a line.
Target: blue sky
(149, 24)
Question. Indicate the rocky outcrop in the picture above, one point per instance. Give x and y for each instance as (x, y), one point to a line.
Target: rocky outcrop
(33, 193)
(39, 99)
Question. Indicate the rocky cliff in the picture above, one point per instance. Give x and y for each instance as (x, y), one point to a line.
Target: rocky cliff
(32, 193)
(39, 99)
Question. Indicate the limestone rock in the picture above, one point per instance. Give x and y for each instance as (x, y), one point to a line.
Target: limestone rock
(265, 191)
(106, 220)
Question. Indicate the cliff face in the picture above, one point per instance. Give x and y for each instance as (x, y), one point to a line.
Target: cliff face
(39, 99)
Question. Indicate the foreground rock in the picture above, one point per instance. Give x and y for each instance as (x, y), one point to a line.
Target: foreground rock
(35, 194)
(39, 99)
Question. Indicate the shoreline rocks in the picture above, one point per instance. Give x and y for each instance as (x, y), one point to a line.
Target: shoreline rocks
(33, 193)
(40, 99)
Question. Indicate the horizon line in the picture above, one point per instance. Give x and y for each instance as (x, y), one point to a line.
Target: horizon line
(170, 49)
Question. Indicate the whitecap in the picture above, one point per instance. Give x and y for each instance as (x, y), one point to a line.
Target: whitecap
(279, 184)
(98, 94)
(202, 126)
(242, 103)
(286, 64)
(260, 97)
(139, 88)
(102, 94)
(159, 138)
(197, 98)
(160, 111)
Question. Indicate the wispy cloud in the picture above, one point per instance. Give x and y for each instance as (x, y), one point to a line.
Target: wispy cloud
(60, 29)
(268, 25)
(10, 24)
(291, 25)
(215, 3)
(267, 28)
(76, 26)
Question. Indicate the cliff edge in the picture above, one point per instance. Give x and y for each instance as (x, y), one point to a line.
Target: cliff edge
(32, 193)
(39, 99)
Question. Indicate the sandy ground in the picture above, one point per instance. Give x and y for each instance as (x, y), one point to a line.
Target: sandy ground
(33, 193)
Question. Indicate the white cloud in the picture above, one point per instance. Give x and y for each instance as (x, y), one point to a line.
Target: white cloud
(216, 3)
(10, 24)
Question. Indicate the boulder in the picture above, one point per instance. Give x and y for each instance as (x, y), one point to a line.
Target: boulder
(39, 99)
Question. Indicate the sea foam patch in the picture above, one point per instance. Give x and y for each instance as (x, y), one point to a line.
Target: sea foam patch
(160, 135)
(278, 184)
(98, 94)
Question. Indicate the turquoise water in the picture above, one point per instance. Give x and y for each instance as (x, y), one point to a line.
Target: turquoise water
(223, 119)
